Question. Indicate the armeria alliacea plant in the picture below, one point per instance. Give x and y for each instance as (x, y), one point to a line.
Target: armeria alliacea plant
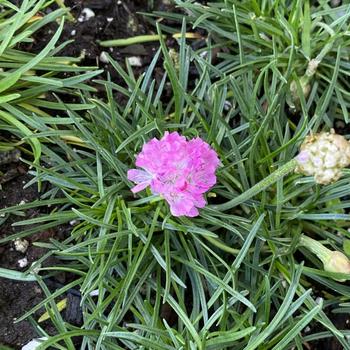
(180, 171)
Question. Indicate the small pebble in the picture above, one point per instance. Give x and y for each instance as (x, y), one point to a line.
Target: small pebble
(22, 202)
(319, 300)
(135, 61)
(86, 14)
(33, 344)
(119, 2)
(104, 57)
(110, 19)
(227, 105)
(22, 262)
(73, 32)
(307, 329)
(204, 54)
(21, 245)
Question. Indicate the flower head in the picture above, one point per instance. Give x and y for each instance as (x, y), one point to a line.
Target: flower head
(337, 262)
(333, 260)
(180, 171)
(323, 156)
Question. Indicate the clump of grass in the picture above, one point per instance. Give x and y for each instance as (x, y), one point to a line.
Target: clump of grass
(229, 278)
(28, 80)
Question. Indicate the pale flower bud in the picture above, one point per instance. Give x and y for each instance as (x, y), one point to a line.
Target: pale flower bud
(333, 261)
(323, 156)
(337, 262)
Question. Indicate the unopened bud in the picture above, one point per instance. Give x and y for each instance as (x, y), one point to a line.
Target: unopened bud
(337, 262)
(333, 261)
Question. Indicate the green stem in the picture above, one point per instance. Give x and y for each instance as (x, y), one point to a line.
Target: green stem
(222, 245)
(61, 4)
(131, 41)
(315, 247)
(259, 187)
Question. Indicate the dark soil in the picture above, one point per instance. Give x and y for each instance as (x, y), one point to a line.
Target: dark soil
(16, 297)
(111, 19)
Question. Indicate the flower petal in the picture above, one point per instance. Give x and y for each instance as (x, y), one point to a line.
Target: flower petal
(139, 187)
(138, 176)
(141, 178)
(181, 204)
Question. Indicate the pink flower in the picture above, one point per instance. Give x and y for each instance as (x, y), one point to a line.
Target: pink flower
(180, 171)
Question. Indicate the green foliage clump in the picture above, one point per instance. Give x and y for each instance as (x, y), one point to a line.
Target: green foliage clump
(29, 81)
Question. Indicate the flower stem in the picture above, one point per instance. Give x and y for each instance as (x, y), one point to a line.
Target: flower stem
(130, 41)
(315, 247)
(61, 4)
(222, 245)
(260, 186)
(139, 39)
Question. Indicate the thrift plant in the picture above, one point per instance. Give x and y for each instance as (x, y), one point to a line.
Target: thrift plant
(263, 76)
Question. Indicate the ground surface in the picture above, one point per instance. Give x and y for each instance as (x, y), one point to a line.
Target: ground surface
(16, 297)
(111, 20)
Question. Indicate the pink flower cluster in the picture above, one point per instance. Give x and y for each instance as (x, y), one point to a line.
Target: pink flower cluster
(180, 171)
